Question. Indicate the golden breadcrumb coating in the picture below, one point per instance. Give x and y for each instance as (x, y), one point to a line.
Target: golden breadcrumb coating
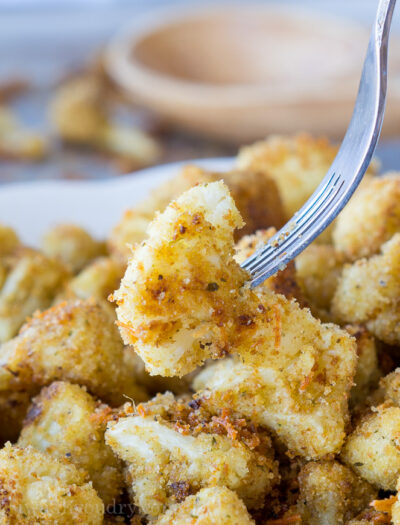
(368, 292)
(210, 506)
(8, 240)
(331, 494)
(318, 269)
(395, 509)
(390, 387)
(284, 281)
(76, 342)
(39, 489)
(367, 371)
(300, 390)
(31, 284)
(66, 422)
(72, 245)
(256, 197)
(174, 449)
(372, 449)
(98, 279)
(370, 219)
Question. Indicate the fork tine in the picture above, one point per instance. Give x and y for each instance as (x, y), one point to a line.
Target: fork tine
(349, 166)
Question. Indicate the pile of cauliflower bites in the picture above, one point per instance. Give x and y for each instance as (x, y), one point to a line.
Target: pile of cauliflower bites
(143, 381)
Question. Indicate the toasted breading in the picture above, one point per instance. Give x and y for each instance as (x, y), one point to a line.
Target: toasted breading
(76, 342)
(66, 422)
(318, 269)
(256, 197)
(208, 507)
(37, 488)
(300, 391)
(173, 450)
(72, 245)
(367, 371)
(8, 240)
(372, 449)
(370, 219)
(331, 493)
(98, 279)
(31, 284)
(284, 281)
(369, 293)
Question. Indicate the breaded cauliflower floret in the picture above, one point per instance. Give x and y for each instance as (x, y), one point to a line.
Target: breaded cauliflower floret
(8, 240)
(299, 388)
(98, 280)
(256, 197)
(318, 269)
(214, 505)
(284, 281)
(297, 164)
(369, 293)
(367, 372)
(66, 422)
(76, 342)
(179, 301)
(331, 493)
(31, 284)
(372, 449)
(184, 299)
(37, 488)
(174, 449)
(370, 219)
(72, 245)
(390, 387)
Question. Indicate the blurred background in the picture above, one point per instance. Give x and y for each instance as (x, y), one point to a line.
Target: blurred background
(101, 88)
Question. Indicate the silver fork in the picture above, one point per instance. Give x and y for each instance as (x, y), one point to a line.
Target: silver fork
(348, 167)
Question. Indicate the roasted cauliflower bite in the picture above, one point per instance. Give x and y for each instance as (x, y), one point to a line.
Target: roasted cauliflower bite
(299, 387)
(284, 281)
(370, 219)
(173, 449)
(368, 292)
(208, 507)
(372, 449)
(37, 488)
(256, 197)
(8, 240)
(367, 373)
(331, 493)
(31, 284)
(183, 299)
(74, 341)
(72, 245)
(318, 269)
(297, 164)
(98, 279)
(66, 422)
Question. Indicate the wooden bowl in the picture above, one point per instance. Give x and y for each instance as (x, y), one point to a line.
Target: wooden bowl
(239, 73)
